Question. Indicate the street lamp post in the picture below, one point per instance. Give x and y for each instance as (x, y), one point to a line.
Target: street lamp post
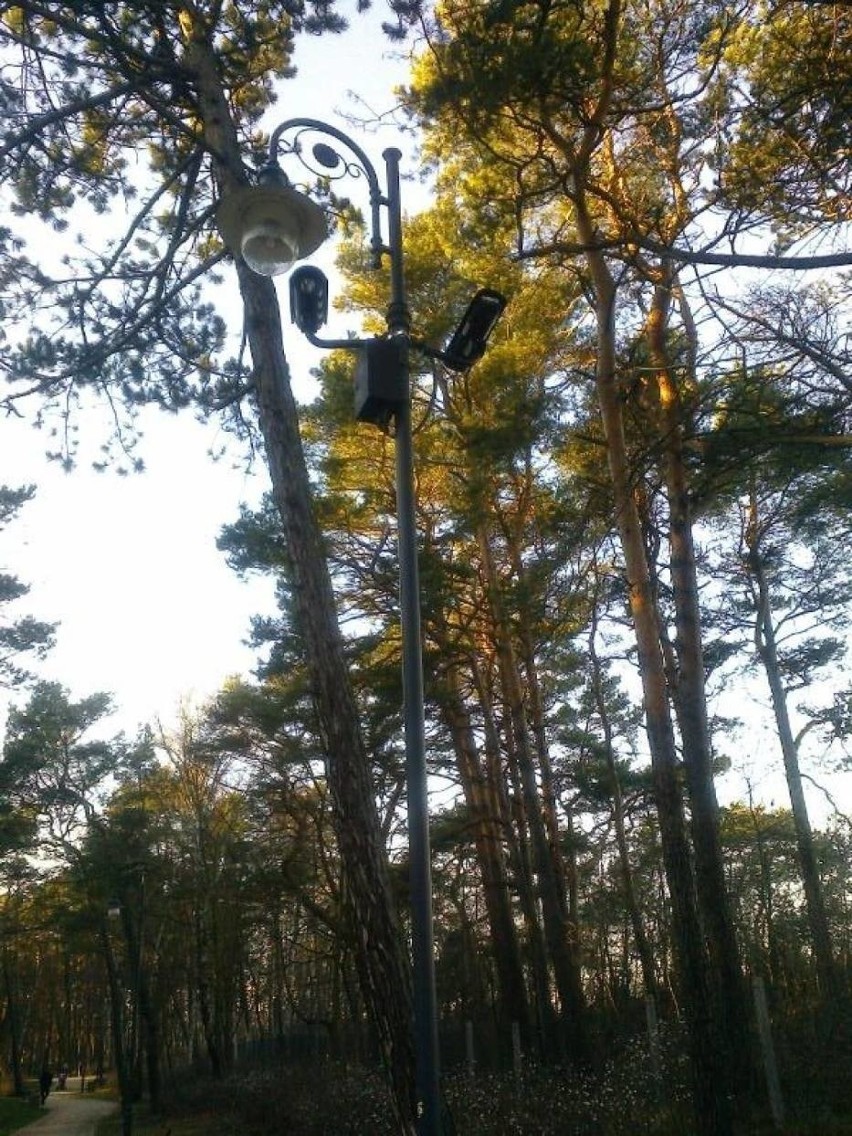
(272, 225)
(123, 1051)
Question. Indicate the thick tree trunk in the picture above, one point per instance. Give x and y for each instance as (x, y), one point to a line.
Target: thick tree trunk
(690, 702)
(710, 1090)
(384, 972)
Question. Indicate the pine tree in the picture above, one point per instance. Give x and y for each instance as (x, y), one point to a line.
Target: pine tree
(24, 635)
(151, 111)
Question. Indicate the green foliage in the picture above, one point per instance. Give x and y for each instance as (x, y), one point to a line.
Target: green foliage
(517, 54)
(23, 636)
(109, 123)
(790, 155)
(51, 768)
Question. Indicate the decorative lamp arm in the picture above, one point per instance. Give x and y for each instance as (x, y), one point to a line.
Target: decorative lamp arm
(330, 160)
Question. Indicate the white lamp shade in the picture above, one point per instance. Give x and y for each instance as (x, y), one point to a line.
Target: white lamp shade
(271, 227)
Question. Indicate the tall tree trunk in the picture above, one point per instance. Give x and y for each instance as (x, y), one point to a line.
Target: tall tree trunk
(710, 1089)
(132, 933)
(690, 702)
(488, 841)
(564, 864)
(515, 827)
(384, 971)
(148, 1011)
(767, 900)
(546, 857)
(202, 971)
(767, 647)
(14, 1019)
(637, 923)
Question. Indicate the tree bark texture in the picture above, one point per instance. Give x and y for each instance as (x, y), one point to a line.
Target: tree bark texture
(383, 969)
(689, 698)
(710, 1090)
(515, 827)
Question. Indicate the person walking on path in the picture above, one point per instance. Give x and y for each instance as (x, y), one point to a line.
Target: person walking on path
(69, 1115)
(44, 1083)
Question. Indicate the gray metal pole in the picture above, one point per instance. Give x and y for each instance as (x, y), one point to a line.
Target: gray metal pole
(425, 999)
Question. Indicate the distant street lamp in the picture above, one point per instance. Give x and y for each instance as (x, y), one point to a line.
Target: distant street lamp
(271, 226)
(123, 1049)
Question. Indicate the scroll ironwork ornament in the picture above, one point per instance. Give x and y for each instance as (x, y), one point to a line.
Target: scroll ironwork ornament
(334, 162)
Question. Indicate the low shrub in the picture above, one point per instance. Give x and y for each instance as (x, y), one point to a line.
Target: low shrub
(335, 1099)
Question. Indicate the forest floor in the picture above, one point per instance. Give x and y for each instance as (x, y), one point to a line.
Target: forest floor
(299, 1109)
(212, 1109)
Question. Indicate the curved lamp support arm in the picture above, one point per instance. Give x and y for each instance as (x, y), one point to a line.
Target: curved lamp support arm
(329, 158)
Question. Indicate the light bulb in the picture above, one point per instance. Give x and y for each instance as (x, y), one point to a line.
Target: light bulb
(270, 247)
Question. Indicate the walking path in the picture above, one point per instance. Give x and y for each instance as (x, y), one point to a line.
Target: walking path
(68, 1113)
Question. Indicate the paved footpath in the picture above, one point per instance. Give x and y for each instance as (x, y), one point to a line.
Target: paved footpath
(69, 1114)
